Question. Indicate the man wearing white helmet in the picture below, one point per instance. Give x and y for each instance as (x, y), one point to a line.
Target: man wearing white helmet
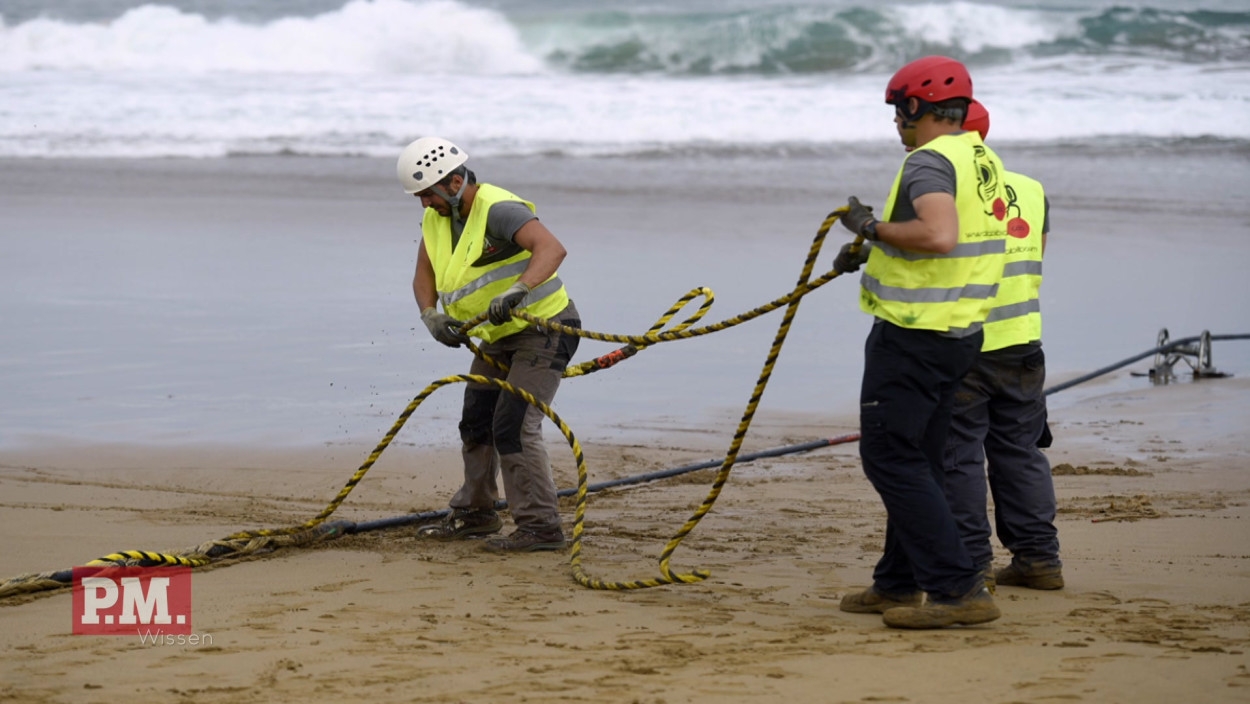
(483, 250)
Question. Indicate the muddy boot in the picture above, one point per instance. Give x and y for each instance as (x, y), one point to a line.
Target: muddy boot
(977, 606)
(990, 578)
(462, 523)
(1030, 575)
(524, 540)
(871, 601)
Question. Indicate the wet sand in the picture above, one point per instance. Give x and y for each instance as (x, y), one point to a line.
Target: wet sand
(267, 301)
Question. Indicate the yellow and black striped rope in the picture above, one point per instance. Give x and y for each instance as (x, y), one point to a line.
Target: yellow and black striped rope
(635, 344)
(722, 476)
(251, 541)
(681, 331)
(792, 301)
(143, 558)
(232, 546)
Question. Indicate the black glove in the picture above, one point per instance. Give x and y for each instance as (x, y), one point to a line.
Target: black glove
(848, 261)
(501, 306)
(859, 219)
(443, 327)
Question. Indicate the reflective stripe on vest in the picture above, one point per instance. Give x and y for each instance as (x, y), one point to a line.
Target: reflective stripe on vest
(536, 294)
(968, 249)
(1016, 318)
(928, 295)
(506, 271)
(466, 290)
(950, 292)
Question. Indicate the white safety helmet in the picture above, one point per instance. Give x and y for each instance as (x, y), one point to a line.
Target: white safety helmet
(427, 161)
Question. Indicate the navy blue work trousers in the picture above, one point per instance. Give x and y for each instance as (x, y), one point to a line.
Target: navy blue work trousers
(910, 378)
(998, 420)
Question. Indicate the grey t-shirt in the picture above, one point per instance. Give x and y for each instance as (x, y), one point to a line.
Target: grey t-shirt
(926, 171)
(502, 223)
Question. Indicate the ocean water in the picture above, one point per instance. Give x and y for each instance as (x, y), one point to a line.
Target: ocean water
(201, 78)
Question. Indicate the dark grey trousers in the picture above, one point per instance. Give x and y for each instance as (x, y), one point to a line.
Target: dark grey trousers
(998, 419)
(502, 433)
(910, 379)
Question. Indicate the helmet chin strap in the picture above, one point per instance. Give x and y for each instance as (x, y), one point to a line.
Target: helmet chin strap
(952, 114)
(452, 201)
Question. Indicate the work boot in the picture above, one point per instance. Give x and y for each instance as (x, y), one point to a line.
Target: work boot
(989, 577)
(1030, 576)
(462, 523)
(871, 601)
(525, 540)
(977, 606)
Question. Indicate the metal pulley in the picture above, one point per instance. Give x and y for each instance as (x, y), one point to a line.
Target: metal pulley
(1197, 356)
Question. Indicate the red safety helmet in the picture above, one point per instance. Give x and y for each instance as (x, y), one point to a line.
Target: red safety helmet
(931, 79)
(977, 119)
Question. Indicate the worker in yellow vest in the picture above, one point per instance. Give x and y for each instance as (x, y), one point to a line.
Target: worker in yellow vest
(483, 250)
(929, 281)
(999, 419)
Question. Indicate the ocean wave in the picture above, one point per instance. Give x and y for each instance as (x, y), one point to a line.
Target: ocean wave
(447, 36)
(807, 39)
(520, 77)
(62, 113)
(362, 37)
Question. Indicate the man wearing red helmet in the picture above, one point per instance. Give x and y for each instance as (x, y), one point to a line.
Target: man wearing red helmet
(999, 416)
(929, 280)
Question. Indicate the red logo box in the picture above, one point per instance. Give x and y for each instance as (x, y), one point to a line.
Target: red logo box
(127, 601)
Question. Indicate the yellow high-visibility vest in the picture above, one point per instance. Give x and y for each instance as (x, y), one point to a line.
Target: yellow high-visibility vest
(1016, 318)
(466, 290)
(949, 292)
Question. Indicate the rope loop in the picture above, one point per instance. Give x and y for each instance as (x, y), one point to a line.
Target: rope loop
(317, 529)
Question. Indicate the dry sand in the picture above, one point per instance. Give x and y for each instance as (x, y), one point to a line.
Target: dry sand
(1153, 493)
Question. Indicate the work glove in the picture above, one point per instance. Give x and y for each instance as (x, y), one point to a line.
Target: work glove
(859, 219)
(848, 261)
(443, 327)
(501, 306)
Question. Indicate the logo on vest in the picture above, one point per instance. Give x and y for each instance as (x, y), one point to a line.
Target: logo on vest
(1018, 228)
(988, 180)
